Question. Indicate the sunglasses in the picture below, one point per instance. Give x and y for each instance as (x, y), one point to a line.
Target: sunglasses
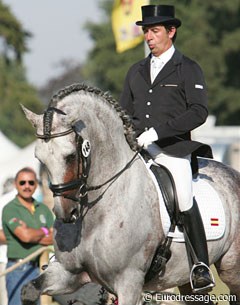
(30, 182)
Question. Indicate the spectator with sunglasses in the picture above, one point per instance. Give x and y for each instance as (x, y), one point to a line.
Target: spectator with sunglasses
(27, 225)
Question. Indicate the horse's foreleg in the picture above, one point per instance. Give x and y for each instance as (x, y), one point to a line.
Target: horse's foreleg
(129, 295)
(129, 288)
(54, 280)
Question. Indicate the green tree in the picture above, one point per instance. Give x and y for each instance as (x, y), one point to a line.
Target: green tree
(209, 34)
(14, 88)
(12, 34)
(104, 67)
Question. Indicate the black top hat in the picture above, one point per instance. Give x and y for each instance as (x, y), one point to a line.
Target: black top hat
(158, 14)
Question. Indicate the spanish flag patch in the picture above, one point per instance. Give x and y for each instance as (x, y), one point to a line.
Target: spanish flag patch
(214, 222)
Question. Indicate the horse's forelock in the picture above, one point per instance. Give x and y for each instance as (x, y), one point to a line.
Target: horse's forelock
(129, 130)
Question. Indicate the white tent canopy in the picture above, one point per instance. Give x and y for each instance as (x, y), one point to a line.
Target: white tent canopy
(8, 148)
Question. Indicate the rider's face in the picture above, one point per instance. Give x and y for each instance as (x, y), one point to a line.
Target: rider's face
(158, 38)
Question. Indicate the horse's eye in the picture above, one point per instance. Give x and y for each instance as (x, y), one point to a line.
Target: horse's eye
(70, 158)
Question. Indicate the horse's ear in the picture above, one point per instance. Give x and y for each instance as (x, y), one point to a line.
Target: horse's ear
(32, 117)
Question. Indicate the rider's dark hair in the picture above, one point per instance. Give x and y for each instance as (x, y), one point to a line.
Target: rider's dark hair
(168, 29)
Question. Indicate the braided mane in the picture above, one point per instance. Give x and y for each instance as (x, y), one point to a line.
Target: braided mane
(129, 130)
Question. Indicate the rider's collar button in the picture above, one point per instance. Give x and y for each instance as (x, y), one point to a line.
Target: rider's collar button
(150, 91)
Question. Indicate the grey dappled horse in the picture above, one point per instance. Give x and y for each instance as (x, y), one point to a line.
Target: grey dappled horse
(107, 224)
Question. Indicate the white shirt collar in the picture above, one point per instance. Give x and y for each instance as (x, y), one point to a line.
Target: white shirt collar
(166, 56)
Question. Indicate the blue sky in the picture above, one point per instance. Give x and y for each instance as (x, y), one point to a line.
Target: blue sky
(57, 26)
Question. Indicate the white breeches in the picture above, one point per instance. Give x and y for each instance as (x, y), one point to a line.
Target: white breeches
(181, 171)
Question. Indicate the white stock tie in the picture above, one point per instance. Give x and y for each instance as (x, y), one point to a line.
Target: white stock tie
(156, 66)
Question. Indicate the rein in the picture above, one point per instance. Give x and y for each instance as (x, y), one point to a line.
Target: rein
(83, 149)
(93, 188)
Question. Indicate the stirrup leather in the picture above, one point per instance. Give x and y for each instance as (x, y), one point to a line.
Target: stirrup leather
(207, 287)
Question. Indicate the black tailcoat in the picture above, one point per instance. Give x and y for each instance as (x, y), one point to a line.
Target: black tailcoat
(174, 104)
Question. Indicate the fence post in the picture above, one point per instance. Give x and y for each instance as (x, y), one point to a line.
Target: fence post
(44, 260)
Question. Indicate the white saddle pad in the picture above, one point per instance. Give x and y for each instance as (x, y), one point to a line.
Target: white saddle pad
(210, 207)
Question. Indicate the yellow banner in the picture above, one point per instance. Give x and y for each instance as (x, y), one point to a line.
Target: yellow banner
(124, 15)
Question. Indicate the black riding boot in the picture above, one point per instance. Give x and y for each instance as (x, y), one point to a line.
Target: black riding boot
(201, 277)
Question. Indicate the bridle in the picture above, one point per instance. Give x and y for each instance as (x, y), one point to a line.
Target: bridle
(83, 158)
(83, 148)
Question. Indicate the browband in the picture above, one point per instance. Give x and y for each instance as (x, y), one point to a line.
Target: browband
(55, 135)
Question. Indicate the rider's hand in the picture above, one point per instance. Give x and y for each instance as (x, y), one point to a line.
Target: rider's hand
(147, 137)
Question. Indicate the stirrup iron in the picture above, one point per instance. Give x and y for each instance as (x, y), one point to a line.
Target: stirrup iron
(208, 286)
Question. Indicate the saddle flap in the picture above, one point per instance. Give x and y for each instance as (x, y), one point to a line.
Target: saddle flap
(167, 186)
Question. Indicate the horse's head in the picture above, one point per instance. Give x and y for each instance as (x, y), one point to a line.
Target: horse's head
(64, 152)
(77, 116)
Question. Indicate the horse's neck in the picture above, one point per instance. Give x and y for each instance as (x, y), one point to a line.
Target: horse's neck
(103, 127)
(110, 150)
(108, 159)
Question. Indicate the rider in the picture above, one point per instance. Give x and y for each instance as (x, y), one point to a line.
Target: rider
(165, 94)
